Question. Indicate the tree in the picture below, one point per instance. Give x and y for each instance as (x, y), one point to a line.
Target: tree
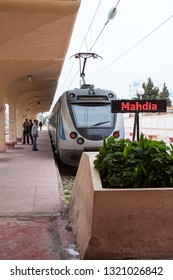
(151, 92)
(164, 94)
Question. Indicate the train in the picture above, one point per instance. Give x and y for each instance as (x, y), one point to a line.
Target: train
(80, 120)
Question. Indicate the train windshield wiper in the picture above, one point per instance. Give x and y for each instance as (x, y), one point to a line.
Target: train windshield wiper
(99, 123)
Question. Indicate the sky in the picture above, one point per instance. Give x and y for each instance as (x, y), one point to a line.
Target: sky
(135, 45)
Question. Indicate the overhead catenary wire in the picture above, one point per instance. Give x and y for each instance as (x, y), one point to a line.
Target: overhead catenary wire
(135, 45)
(84, 39)
(113, 12)
(90, 25)
(111, 15)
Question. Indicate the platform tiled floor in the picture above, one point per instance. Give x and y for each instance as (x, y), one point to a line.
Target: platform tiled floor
(33, 223)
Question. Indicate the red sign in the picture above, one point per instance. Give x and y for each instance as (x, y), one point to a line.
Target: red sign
(133, 106)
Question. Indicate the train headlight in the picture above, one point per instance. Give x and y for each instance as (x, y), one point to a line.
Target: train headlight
(72, 95)
(110, 95)
(116, 134)
(80, 141)
(91, 91)
(73, 135)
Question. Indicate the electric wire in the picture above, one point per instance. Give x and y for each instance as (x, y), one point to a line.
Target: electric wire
(134, 46)
(96, 11)
(114, 9)
(96, 37)
(89, 27)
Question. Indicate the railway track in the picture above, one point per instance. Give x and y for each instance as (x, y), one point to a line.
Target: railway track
(67, 174)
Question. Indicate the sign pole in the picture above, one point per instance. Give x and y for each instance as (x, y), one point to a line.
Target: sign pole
(136, 127)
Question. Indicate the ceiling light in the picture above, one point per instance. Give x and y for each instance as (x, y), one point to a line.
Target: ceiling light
(29, 78)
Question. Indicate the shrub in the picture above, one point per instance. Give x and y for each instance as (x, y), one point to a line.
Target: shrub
(130, 164)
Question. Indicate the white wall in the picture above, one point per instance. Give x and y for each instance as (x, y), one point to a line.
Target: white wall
(151, 124)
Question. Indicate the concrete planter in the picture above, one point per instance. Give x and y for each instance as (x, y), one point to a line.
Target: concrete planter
(120, 223)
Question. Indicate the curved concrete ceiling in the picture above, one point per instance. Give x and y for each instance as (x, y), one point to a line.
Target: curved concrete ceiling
(34, 38)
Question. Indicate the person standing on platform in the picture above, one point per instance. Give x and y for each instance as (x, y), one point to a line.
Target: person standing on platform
(40, 125)
(26, 131)
(30, 129)
(34, 133)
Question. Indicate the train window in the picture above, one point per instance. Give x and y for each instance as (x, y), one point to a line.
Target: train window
(88, 116)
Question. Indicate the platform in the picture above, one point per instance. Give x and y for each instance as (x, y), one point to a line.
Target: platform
(33, 224)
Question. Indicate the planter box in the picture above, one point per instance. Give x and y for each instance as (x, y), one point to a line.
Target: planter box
(119, 223)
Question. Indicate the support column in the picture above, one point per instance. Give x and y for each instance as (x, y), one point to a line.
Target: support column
(19, 122)
(12, 120)
(2, 124)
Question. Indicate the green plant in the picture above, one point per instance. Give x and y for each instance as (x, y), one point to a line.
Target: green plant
(130, 164)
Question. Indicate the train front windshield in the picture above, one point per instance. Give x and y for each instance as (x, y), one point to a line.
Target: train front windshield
(88, 116)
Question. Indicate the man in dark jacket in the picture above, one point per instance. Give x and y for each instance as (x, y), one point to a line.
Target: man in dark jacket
(30, 129)
(26, 131)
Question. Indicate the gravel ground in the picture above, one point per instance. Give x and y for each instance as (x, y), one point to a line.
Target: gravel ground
(67, 182)
(67, 175)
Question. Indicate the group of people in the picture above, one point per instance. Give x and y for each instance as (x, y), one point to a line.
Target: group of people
(30, 132)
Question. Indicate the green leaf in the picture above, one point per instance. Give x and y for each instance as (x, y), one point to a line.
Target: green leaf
(127, 164)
